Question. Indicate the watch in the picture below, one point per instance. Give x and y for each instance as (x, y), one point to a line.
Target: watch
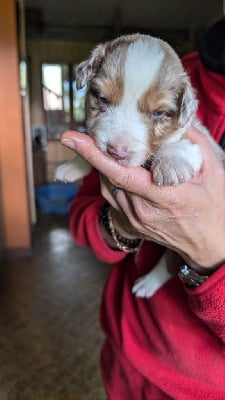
(190, 277)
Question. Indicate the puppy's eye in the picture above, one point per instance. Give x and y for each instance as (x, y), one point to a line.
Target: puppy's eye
(158, 114)
(103, 99)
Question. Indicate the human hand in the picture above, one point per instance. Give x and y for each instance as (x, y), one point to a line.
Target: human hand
(189, 219)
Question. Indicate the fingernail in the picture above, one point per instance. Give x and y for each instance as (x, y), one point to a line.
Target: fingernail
(68, 143)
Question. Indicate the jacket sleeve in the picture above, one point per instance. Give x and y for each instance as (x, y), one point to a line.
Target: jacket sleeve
(207, 302)
(84, 220)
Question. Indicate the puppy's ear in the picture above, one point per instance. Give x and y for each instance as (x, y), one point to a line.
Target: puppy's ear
(188, 105)
(88, 68)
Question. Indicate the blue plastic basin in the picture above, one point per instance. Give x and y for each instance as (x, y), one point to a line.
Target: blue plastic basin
(55, 198)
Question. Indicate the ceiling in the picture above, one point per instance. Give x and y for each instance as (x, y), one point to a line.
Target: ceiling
(97, 19)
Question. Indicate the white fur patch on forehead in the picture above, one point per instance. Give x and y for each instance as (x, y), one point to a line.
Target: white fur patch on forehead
(143, 61)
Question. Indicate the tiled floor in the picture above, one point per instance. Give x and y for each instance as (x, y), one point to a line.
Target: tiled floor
(50, 337)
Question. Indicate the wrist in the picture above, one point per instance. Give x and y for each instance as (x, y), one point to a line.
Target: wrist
(107, 237)
(208, 265)
(116, 216)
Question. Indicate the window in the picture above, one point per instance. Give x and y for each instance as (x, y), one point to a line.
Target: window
(52, 87)
(63, 104)
(23, 77)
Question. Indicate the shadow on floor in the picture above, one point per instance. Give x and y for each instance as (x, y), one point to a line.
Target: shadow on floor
(50, 337)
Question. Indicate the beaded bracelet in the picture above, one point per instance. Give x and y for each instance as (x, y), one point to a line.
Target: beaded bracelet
(122, 243)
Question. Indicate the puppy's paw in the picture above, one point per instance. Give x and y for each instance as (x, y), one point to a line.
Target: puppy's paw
(176, 163)
(65, 173)
(144, 287)
(147, 285)
(171, 172)
(72, 171)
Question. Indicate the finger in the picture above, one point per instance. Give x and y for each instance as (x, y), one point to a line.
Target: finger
(86, 148)
(196, 136)
(205, 143)
(133, 179)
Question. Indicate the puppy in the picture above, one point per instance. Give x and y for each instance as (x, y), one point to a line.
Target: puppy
(139, 105)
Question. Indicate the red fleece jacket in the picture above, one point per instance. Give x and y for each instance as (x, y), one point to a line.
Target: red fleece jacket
(172, 345)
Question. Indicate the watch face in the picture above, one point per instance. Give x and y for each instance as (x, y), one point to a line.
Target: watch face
(190, 277)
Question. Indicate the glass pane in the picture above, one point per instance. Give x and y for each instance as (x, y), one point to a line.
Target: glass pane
(66, 94)
(56, 98)
(23, 77)
(52, 86)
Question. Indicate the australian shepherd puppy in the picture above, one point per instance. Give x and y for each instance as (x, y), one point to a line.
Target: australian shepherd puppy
(139, 105)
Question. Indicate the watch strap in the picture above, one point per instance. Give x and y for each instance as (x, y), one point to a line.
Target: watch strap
(190, 277)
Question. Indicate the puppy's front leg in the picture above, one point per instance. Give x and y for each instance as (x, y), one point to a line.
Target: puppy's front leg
(73, 170)
(164, 270)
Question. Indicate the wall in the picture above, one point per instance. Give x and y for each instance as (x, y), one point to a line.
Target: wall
(1, 227)
(15, 204)
(98, 20)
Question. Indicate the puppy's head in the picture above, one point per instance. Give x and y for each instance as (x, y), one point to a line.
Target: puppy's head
(139, 96)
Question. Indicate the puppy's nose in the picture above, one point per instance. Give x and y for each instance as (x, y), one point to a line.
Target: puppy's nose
(118, 152)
